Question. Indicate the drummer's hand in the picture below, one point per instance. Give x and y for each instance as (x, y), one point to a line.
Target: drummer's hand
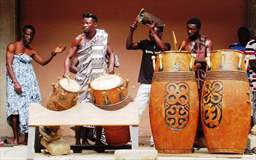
(17, 87)
(111, 70)
(134, 25)
(197, 66)
(151, 26)
(59, 49)
(208, 67)
(67, 75)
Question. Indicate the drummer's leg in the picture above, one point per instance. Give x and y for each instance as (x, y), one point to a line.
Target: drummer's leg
(78, 130)
(98, 134)
(84, 133)
(142, 97)
(88, 134)
(254, 107)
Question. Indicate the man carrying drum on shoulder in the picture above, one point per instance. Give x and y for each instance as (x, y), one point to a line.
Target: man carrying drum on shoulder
(149, 47)
(87, 59)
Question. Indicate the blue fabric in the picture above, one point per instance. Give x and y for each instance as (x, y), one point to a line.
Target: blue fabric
(237, 46)
(18, 104)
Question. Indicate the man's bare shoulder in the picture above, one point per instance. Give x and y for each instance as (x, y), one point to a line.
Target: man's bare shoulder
(11, 46)
(79, 37)
(208, 41)
(77, 40)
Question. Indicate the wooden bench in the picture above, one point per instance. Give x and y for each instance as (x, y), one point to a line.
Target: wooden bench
(82, 114)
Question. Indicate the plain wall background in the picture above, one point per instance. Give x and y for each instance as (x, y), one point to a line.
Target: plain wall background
(59, 21)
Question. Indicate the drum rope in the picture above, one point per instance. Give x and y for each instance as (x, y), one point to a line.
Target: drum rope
(174, 76)
(226, 75)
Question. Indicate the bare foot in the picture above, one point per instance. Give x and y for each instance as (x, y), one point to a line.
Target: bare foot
(1, 143)
(11, 141)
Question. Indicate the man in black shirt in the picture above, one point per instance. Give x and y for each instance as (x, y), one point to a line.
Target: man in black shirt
(149, 47)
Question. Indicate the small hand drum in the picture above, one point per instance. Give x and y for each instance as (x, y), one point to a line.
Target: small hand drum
(108, 90)
(65, 94)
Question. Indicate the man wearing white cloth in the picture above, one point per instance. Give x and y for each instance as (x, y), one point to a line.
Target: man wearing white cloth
(88, 59)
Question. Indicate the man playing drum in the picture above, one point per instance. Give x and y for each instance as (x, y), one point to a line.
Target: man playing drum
(22, 85)
(200, 47)
(149, 47)
(87, 59)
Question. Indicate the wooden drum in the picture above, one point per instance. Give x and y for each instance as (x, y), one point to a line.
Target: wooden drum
(225, 111)
(172, 61)
(65, 95)
(174, 105)
(227, 60)
(109, 92)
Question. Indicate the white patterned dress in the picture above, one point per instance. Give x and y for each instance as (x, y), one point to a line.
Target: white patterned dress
(18, 104)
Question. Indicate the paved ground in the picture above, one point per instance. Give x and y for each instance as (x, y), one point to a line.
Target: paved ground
(19, 153)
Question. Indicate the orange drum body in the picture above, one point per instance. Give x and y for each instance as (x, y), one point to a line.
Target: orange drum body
(225, 111)
(65, 95)
(109, 92)
(174, 104)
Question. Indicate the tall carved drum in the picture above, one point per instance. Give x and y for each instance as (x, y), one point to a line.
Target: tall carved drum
(109, 92)
(174, 103)
(225, 111)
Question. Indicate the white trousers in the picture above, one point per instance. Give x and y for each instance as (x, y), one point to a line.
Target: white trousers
(142, 97)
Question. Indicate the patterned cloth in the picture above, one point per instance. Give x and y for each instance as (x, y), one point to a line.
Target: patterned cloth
(250, 54)
(18, 104)
(200, 49)
(92, 61)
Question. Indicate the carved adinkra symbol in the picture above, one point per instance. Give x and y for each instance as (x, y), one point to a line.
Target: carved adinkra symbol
(177, 105)
(212, 104)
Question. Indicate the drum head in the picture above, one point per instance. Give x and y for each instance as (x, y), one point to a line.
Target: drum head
(69, 85)
(106, 82)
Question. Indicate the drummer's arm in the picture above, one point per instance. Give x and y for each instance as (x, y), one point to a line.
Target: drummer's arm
(208, 52)
(163, 46)
(183, 45)
(73, 66)
(111, 59)
(129, 40)
(70, 56)
(209, 47)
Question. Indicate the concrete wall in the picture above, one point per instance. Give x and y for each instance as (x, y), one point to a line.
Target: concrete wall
(57, 22)
(8, 22)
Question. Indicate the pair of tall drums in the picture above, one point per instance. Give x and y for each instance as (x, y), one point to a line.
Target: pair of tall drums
(174, 103)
